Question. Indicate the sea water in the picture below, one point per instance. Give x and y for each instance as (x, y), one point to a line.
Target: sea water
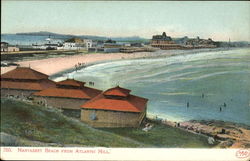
(215, 84)
(14, 39)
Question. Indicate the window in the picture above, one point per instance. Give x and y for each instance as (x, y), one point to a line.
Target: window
(93, 116)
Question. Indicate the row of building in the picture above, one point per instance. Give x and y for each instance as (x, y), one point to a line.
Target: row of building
(86, 44)
(166, 42)
(115, 107)
(158, 41)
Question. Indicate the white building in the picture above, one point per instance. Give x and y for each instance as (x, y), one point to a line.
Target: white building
(88, 43)
(13, 49)
(73, 44)
(5, 47)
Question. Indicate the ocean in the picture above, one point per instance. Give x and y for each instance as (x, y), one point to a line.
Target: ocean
(21, 40)
(213, 85)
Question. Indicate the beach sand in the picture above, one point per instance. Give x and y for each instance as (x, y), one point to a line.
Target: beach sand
(51, 66)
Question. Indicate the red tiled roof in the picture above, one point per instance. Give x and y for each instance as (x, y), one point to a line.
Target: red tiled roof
(130, 104)
(117, 91)
(71, 82)
(43, 84)
(24, 73)
(84, 93)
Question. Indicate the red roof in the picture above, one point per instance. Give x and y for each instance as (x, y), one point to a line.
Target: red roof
(117, 91)
(24, 73)
(37, 85)
(84, 93)
(71, 82)
(130, 104)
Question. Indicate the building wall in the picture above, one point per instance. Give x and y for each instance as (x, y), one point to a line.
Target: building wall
(162, 42)
(72, 46)
(111, 50)
(62, 103)
(168, 47)
(111, 118)
(3, 49)
(16, 93)
(165, 45)
(13, 49)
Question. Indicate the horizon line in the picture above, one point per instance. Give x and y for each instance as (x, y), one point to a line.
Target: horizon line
(68, 34)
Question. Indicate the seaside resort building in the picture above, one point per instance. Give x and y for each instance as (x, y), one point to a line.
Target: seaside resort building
(23, 81)
(115, 107)
(164, 42)
(68, 95)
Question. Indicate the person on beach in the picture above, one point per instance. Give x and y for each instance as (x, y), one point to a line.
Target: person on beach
(187, 104)
(220, 109)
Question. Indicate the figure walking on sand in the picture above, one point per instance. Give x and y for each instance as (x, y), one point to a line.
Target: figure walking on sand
(76, 67)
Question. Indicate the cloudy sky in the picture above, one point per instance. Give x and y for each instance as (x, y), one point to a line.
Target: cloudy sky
(217, 20)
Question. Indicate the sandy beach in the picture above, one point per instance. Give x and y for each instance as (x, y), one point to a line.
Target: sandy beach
(51, 66)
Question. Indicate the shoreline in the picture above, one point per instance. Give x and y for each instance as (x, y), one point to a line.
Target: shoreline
(226, 134)
(59, 65)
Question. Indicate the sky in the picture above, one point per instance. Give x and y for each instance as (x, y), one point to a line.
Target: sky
(208, 19)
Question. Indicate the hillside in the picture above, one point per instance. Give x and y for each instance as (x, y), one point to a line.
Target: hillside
(164, 137)
(24, 124)
(33, 124)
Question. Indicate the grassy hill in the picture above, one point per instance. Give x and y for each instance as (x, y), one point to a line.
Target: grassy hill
(164, 136)
(33, 125)
(37, 123)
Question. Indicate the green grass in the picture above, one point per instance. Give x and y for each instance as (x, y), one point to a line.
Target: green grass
(38, 123)
(164, 136)
(48, 125)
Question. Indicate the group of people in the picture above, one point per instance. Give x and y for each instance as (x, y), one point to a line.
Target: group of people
(79, 65)
(91, 83)
(203, 95)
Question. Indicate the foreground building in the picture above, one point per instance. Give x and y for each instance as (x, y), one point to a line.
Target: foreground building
(68, 95)
(115, 107)
(23, 81)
